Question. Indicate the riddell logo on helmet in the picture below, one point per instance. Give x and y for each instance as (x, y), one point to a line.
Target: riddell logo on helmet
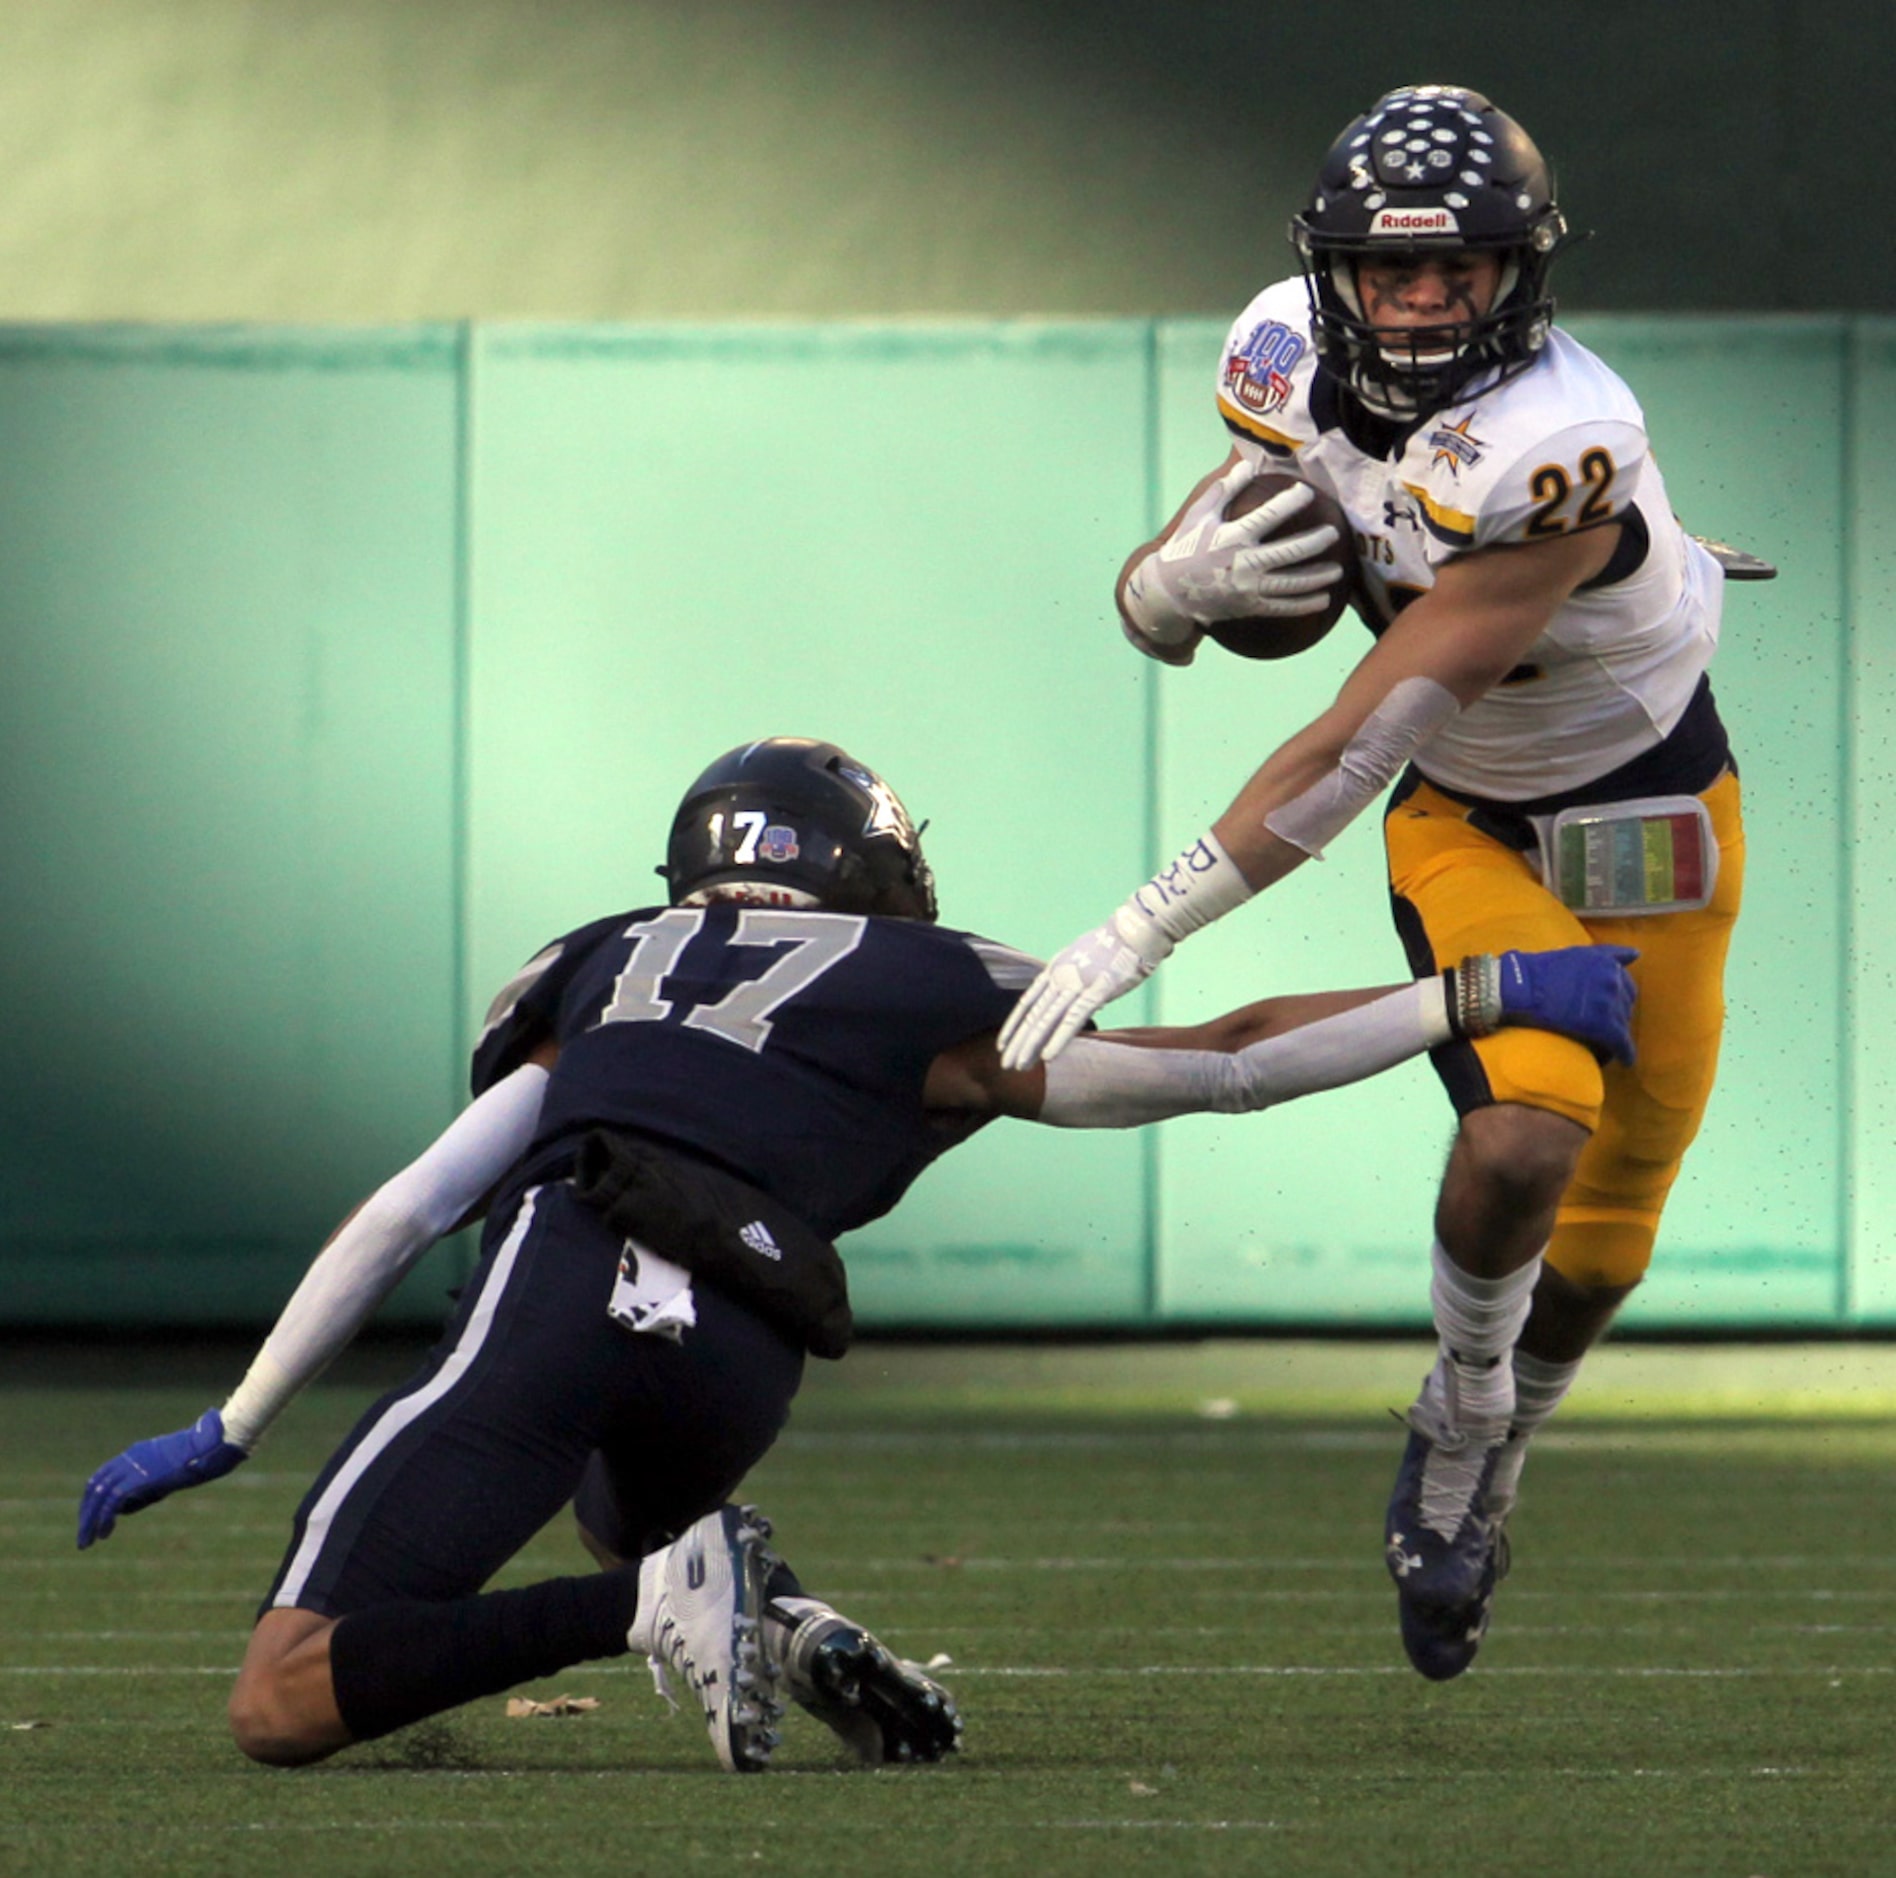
(1414, 222)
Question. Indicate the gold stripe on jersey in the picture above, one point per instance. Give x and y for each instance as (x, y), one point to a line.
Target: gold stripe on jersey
(1239, 419)
(1450, 524)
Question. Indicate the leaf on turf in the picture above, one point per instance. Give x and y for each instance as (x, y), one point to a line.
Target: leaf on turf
(519, 1707)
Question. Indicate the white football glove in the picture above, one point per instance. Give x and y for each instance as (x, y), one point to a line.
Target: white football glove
(1211, 569)
(1148, 632)
(1201, 885)
(1096, 968)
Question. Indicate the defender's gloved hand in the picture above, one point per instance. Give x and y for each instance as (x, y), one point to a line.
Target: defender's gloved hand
(150, 1470)
(1211, 569)
(1584, 992)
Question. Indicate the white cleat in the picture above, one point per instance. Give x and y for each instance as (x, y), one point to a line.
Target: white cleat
(707, 1631)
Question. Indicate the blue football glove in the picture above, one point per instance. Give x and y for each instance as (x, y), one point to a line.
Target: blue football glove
(149, 1470)
(1582, 991)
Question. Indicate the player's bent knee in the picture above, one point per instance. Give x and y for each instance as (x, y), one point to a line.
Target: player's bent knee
(1599, 1250)
(268, 1730)
(1524, 1153)
(282, 1710)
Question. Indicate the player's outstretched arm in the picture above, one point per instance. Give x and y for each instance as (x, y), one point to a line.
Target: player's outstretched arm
(1282, 1048)
(361, 1263)
(1447, 649)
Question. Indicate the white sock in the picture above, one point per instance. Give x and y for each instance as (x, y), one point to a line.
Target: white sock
(1539, 1389)
(1478, 1321)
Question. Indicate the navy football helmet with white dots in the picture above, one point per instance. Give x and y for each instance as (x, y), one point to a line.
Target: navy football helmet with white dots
(1430, 168)
(789, 821)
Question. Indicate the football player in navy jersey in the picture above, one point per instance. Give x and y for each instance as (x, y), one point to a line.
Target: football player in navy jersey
(676, 1110)
(1537, 694)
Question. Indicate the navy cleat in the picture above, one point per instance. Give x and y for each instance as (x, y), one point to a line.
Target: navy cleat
(708, 1631)
(1445, 1550)
(884, 1709)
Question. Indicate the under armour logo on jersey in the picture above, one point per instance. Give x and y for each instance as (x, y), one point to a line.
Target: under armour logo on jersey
(757, 1236)
(1399, 514)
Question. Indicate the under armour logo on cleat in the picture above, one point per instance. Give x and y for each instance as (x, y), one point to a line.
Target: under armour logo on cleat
(757, 1236)
(1400, 1562)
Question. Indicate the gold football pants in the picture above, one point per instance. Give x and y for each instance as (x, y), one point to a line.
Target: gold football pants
(1457, 890)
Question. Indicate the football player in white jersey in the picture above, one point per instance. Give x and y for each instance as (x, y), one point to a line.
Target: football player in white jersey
(1537, 693)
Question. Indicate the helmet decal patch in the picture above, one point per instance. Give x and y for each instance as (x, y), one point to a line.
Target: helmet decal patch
(1257, 375)
(778, 843)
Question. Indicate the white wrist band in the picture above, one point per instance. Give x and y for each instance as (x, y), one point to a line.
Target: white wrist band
(257, 1401)
(1202, 885)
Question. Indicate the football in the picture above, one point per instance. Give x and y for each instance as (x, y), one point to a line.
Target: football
(1271, 637)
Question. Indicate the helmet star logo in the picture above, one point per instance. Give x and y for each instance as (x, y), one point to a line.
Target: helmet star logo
(886, 815)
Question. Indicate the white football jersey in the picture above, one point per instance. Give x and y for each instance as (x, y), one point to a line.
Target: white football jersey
(1559, 447)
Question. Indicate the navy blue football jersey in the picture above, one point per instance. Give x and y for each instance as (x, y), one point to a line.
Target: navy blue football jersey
(788, 1047)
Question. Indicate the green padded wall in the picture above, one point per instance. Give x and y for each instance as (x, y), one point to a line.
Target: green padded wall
(1310, 1212)
(339, 671)
(226, 734)
(1866, 1017)
(902, 540)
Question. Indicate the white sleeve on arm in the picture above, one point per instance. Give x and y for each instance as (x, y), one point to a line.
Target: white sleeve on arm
(380, 1241)
(1415, 709)
(1095, 1083)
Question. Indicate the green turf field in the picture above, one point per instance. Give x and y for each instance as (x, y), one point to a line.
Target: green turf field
(1157, 1572)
